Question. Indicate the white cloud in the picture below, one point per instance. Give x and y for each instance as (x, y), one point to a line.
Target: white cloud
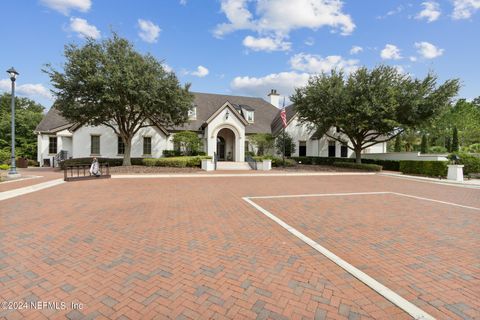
(464, 9)
(393, 12)
(310, 41)
(200, 72)
(428, 50)
(413, 58)
(65, 6)
(356, 50)
(390, 52)
(275, 19)
(84, 29)
(431, 11)
(316, 64)
(149, 31)
(29, 90)
(284, 82)
(266, 44)
(183, 2)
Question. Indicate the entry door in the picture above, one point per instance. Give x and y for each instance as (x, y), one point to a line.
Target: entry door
(344, 151)
(331, 149)
(302, 148)
(221, 148)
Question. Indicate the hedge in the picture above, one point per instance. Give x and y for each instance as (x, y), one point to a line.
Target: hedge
(4, 167)
(277, 161)
(112, 162)
(427, 168)
(360, 166)
(471, 163)
(178, 162)
(392, 165)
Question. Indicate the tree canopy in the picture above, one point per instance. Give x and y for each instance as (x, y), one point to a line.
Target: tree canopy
(370, 106)
(28, 115)
(109, 83)
(187, 142)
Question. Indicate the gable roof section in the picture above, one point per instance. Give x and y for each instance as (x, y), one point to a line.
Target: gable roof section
(52, 122)
(207, 104)
(232, 108)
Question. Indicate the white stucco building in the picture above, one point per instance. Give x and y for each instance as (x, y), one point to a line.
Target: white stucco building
(223, 122)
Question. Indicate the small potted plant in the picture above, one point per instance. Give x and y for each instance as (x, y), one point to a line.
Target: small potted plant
(455, 169)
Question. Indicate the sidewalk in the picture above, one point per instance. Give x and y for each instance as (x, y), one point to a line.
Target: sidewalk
(31, 176)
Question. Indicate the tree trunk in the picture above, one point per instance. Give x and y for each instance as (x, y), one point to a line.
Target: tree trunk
(358, 155)
(126, 156)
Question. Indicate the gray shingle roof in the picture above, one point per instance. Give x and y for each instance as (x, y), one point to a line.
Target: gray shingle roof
(51, 121)
(206, 104)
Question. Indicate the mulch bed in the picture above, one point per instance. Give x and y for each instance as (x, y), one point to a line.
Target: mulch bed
(316, 168)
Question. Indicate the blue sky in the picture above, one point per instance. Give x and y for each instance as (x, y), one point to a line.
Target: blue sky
(247, 47)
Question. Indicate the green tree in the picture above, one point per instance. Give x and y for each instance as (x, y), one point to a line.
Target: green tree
(262, 142)
(289, 144)
(109, 83)
(369, 107)
(188, 142)
(448, 144)
(398, 144)
(455, 145)
(424, 144)
(28, 115)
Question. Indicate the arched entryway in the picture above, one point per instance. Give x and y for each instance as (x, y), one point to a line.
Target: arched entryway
(226, 145)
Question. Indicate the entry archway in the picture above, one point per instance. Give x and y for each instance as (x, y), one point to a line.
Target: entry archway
(226, 140)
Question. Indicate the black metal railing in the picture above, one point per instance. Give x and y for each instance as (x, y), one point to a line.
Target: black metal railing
(251, 162)
(82, 172)
(215, 159)
(59, 157)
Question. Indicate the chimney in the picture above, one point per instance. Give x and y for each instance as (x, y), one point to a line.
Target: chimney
(274, 98)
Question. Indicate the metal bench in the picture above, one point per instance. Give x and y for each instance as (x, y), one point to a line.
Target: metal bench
(82, 172)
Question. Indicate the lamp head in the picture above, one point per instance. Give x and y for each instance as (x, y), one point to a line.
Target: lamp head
(13, 73)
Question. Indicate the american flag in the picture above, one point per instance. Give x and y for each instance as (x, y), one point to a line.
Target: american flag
(283, 115)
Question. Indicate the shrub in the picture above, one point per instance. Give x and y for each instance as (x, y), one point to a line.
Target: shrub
(359, 166)
(4, 156)
(176, 162)
(112, 162)
(437, 149)
(4, 167)
(171, 153)
(474, 148)
(471, 163)
(427, 168)
(392, 165)
(188, 142)
(32, 163)
(277, 161)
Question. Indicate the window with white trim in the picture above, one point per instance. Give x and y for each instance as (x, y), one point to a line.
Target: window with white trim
(192, 113)
(250, 116)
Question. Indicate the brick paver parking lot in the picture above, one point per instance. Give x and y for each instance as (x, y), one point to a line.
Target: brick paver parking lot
(191, 248)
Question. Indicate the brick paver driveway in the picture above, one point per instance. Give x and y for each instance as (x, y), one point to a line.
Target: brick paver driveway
(192, 248)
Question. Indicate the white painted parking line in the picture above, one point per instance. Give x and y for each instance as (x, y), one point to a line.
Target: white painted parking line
(320, 195)
(390, 295)
(437, 201)
(25, 190)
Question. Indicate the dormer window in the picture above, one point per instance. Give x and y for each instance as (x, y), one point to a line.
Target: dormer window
(192, 113)
(250, 116)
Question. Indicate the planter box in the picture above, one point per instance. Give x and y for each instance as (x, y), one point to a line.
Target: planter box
(22, 163)
(455, 172)
(264, 165)
(208, 165)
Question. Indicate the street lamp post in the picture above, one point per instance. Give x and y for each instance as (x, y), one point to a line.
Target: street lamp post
(13, 76)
